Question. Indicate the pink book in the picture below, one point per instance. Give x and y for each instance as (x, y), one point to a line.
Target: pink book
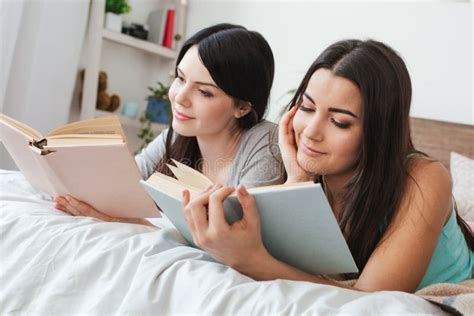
(89, 160)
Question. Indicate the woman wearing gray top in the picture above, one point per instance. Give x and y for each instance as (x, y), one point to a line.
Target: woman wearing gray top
(223, 79)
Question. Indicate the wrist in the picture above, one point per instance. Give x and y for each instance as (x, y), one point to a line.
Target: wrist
(258, 266)
(297, 179)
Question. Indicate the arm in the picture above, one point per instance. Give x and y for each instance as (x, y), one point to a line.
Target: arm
(74, 207)
(401, 258)
(150, 156)
(398, 263)
(260, 161)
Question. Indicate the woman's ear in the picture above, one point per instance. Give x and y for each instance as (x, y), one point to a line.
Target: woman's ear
(243, 108)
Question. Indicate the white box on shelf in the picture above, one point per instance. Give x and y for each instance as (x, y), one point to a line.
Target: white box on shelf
(113, 22)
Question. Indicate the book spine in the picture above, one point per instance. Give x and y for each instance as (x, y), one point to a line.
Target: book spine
(169, 28)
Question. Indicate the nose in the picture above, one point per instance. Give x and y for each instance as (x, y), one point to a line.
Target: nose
(315, 128)
(181, 96)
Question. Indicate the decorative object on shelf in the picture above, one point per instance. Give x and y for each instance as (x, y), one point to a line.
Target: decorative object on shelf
(163, 27)
(168, 37)
(130, 110)
(104, 101)
(159, 106)
(146, 134)
(136, 30)
(114, 10)
(156, 25)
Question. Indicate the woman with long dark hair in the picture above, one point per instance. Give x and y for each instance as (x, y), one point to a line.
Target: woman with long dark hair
(348, 128)
(224, 74)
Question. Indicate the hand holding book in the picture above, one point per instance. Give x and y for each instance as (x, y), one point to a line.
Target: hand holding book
(74, 207)
(238, 245)
(289, 227)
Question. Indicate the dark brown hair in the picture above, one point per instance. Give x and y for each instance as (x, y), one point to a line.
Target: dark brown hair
(241, 63)
(375, 191)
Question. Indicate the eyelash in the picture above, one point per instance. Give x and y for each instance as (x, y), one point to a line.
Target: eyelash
(206, 94)
(203, 92)
(336, 123)
(340, 125)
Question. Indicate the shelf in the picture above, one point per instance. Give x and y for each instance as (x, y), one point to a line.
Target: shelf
(135, 123)
(138, 44)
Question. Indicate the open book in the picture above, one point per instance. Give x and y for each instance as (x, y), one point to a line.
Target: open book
(298, 225)
(89, 160)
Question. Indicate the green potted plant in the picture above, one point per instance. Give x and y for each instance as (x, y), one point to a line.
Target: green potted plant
(146, 134)
(158, 110)
(113, 16)
(159, 105)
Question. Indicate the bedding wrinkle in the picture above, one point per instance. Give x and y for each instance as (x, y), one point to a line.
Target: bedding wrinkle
(56, 264)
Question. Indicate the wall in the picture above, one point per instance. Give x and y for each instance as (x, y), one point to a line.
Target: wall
(43, 62)
(434, 37)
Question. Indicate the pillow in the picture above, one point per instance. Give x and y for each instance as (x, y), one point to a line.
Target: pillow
(462, 171)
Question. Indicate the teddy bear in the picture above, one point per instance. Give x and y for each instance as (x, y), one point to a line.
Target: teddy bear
(105, 102)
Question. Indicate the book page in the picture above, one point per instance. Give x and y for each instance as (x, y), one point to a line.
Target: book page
(102, 127)
(170, 186)
(107, 125)
(84, 140)
(25, 129)
(190, 176)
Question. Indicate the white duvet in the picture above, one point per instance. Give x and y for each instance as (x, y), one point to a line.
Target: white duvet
(56, 264)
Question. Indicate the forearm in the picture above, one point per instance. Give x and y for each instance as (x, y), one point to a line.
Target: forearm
(269, 268)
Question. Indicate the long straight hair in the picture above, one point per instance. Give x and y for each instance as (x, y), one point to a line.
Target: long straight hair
(375, 191)
(241, 64)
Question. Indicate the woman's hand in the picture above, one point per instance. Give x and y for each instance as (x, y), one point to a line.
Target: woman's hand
(288, 148)
(75, 207)
(238, 245)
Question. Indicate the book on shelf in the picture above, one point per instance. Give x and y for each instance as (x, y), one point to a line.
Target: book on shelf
(156, 23)
(297, 224)
(168, 36)
(88, 159)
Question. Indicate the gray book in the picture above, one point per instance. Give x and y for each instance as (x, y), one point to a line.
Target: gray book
(298, 225)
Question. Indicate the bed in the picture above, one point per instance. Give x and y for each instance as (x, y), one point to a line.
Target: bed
(56, 264)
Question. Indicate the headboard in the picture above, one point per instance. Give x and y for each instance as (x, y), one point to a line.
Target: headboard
(438, 139)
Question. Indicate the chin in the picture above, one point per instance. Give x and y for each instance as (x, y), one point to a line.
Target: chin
(186, 131)
(309, 165)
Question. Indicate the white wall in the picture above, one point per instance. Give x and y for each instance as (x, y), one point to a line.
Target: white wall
(434, 37)
(9, 25)
(43, 61)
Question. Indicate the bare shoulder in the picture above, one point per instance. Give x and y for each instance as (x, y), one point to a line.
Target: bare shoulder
(430, 175)
(429, 189)
(402, 257)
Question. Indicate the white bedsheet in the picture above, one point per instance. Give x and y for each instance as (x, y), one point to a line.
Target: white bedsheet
(56, 264)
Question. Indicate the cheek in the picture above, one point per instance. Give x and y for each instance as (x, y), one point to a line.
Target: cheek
(348, 145)
(299, 124)
(172, 91)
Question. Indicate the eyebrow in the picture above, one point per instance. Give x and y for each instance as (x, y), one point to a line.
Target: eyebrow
(332, 109)
(198, 82)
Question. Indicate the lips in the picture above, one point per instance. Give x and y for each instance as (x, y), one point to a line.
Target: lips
(310, 151)
(181, 116)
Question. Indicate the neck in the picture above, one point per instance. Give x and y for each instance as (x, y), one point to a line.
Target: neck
(335, 190)
(218, 151)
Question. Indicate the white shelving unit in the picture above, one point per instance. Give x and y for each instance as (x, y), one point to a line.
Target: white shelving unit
(146, 46)
(96, 34)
